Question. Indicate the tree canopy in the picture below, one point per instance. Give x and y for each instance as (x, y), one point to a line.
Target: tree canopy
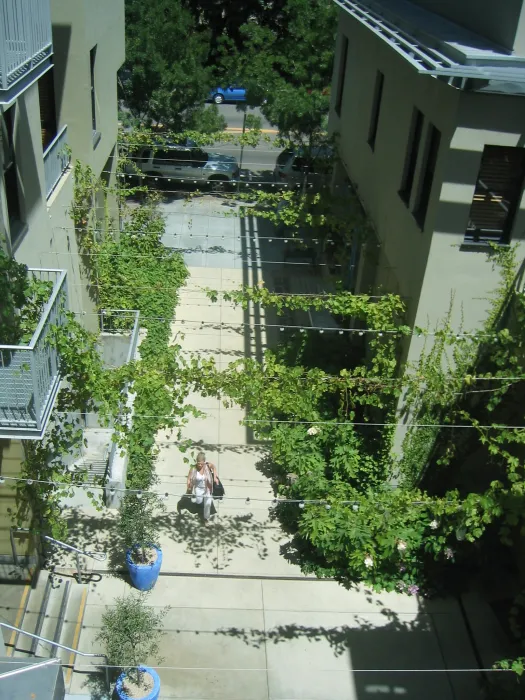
(281, 51)
(166, 78)
(286, 66)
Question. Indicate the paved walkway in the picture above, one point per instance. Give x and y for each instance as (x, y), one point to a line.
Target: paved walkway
(244, 624)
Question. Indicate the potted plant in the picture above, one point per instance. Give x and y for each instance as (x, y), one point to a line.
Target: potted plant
(138, 526)
(130, 632)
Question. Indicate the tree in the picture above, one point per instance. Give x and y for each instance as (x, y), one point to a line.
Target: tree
(287, 66)
(165, 78)
(131, 632)
(226, 19)
(138, 523)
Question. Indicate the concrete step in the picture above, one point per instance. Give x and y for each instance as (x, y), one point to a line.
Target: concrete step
(72, 624)
(55, 611)
(33, 616)
(53, 616)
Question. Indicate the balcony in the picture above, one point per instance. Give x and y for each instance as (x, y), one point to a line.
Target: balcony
(25, 45)
(30, 374)
(56, 160)
(99, 458)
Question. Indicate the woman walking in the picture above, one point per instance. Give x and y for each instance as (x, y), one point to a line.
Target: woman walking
(200, 483)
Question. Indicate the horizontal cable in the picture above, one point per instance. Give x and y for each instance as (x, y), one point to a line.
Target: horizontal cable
(175, 163)
(140, 493)
(275, 239)
(340, 331)
(320, 422)
(266, 669)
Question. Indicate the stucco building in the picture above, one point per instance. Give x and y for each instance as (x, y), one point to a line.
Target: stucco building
(428, 102)
(58, 103)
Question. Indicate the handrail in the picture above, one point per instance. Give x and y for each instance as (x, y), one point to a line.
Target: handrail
(48, 149)
(97, 556)
(30, 667)
(62, 646)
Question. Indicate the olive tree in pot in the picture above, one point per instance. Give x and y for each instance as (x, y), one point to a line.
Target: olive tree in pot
(130, 632)
(138, 525)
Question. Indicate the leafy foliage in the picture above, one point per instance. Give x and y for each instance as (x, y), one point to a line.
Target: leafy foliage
(165, 78)
(286, 65)
(23, 297)
(138, 524)
(131, 633)
(151, 287)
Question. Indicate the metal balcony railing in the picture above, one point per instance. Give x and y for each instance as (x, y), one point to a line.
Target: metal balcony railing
(30, 374)
(25, 45)
(56, 160)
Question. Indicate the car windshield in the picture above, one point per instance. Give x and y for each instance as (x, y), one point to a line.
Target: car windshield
(284, 157)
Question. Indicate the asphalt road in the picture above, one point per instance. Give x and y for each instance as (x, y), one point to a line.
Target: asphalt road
(260, 161)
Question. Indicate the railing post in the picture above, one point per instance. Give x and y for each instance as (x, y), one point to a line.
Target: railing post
(13, 546)
(79, 568)
(3, 57)
(36, 391)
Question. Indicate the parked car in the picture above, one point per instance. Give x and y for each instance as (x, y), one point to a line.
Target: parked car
(233, 93)
(292, 165)
(191, 164)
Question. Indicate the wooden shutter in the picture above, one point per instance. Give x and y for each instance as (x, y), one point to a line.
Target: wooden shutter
(497, 194)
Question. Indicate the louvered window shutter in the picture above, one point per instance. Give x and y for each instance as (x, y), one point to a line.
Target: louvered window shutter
(497, 195)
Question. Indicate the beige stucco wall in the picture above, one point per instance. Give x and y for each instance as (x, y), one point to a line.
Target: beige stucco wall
(377, 174)
(79, 25)
(502, 22)
(11, 455)
(49, 240)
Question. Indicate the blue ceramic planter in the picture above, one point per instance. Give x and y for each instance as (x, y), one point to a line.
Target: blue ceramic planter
(144, 576)
(152, 695)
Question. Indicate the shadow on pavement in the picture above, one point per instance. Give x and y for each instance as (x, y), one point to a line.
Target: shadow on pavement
(231, 532)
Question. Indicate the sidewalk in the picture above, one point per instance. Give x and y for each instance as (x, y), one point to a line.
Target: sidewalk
(244, 623)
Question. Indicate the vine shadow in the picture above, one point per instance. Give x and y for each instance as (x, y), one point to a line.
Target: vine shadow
(380, 652)
(214, 545)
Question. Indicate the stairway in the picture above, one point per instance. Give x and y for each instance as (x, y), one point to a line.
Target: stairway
(54, 610)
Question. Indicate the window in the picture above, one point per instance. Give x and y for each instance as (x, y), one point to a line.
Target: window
(427, 174)
(497, 195)
(11, 176)
(46, 95)
(163, 157)
(199, 158)
(376, 107)
(299, 164)
(341, 76)
(92, 61)
(414, 139)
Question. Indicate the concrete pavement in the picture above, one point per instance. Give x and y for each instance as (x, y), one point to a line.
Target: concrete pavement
(244, 623)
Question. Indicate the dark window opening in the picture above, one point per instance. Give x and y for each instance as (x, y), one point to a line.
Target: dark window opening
(414, 139)
(199, 158)
(11, 194)
(48, 120)
(14, 210)
(92, 59)
(341, 76)
(376, 108)
(427, 174)
(497, 195)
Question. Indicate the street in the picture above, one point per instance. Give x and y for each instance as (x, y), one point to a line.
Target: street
(259, 160)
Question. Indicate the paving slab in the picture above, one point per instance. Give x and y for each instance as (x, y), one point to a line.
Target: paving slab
(214, 684)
